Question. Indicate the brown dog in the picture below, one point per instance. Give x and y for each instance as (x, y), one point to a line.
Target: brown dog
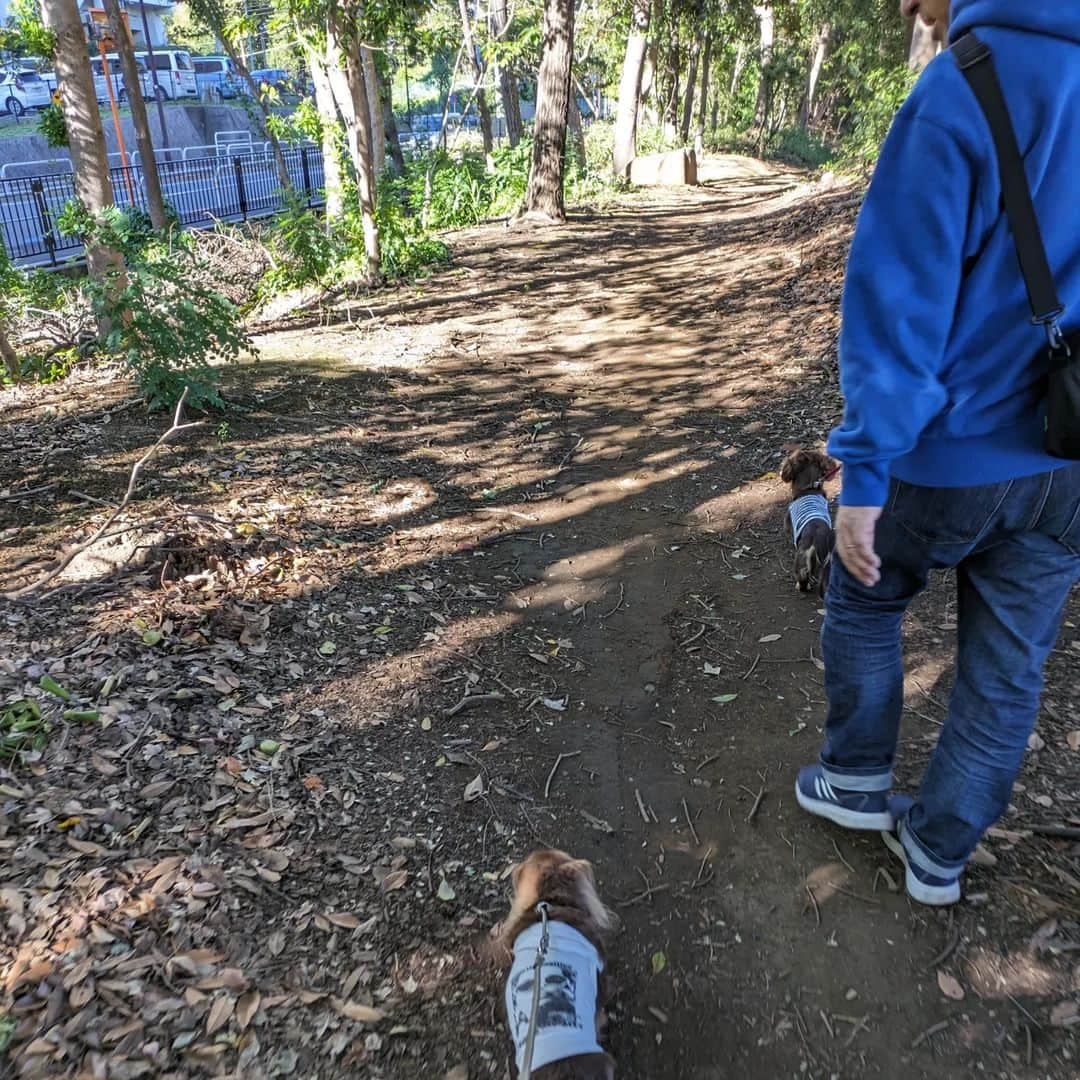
(808, 521)
(572, 981)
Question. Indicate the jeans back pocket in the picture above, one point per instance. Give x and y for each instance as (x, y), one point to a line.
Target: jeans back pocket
(938, 515)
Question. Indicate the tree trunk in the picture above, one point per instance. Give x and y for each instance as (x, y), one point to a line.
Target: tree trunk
(767, 24)
(499, 22)
(736, 78)
(477, 72)
(671, 87)
(86, 140)
(393, 143)
(544, 195)
(378, 127)
(350, 93)
(817, 62)
(703, 102)
(630, 87)
(691, 88)
(7, 354)
(331, 129)
(926, 43)
(139, 120)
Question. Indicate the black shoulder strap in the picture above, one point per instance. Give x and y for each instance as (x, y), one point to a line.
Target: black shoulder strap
(977, 64)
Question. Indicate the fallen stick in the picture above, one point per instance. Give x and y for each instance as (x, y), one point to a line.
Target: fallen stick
(554, 768)
(693, 831)
(175, 429)
(15, 495)
(930, 1032)
(641, 805)
(469, 700)
(646, 895)
(757, 802)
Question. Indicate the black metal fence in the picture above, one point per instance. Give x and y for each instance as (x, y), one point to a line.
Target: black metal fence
(223, 186)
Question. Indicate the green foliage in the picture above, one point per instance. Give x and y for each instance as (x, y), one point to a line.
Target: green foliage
(53, 126)
(797, 146)
(408, 250)
(871, 117)
(162, 319)
(26, 34)
(301, 250)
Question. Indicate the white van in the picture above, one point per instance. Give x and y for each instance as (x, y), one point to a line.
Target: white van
(116, 73)
(175, 72)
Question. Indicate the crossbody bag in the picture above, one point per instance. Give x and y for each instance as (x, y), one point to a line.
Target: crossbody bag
(1062, 436)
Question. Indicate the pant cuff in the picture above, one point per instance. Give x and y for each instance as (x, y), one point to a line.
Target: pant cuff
(857, 779)
(919, 855)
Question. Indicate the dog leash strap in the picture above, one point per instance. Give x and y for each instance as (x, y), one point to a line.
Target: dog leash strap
(538, 963)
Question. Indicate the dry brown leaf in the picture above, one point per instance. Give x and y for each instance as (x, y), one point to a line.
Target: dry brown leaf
(246, 1008)
(344, 920)
(102, 765)
(394, 881)
(275, 943)
(225, 979)
(949, 986)
(80, 996)
(220, 1013)
(1073, 739)
(474, 788)
(353, 1010)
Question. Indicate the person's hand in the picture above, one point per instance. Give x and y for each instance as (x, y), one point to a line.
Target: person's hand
(855, 542)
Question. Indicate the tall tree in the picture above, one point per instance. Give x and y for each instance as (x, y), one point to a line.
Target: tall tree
(378, 126)
(544, 196)
(86, 140)
(626, 115)
(575, 131)
(472, 59)
(346, 70)
(767, 34)
(315, 56)
(691, 89)
(499, 23)
(703, 102)
(817, 62)
(219, 18)
(125, 49)
(386, 103)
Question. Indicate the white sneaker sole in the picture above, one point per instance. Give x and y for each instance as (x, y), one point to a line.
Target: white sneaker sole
(931, 895)
(848, 819)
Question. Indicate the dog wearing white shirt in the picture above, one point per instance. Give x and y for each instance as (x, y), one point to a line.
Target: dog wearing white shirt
(572, 981)
(808, 522)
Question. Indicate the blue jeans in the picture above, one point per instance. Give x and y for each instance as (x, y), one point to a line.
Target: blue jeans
(1016, 550)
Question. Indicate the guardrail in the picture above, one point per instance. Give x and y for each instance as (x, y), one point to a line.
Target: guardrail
(232, 184)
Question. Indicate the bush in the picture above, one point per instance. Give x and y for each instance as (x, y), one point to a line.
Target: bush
(885, 90)
(797, 146)
(53, 126)
(161, 318)
(300, 249)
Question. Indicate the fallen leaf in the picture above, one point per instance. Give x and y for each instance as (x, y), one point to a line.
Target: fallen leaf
(555, 704)
(1036, 742)
(949, 986)
(246, 1008)
(269, 747)
(344, 920)
(327, 648)
(275, 943)
(474, 788)
(725, 699)
(712, 669)
(659, 962)
(353, 1010)
(394, 881)
(768, 639)
(1073, 739)
(220, 1013)
(597, 823)
(446, 891)
(151, 637)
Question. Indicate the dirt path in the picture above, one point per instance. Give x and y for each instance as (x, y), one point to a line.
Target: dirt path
(549, 475)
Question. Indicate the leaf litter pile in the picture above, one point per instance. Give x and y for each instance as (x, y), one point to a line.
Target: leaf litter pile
(270, 747)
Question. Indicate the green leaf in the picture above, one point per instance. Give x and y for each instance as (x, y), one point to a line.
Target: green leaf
(659, 962)
(269, 747)
(446, 892)
(327, 648)
(51, 686)
(725, 699)
(87, 716)
(151, 637)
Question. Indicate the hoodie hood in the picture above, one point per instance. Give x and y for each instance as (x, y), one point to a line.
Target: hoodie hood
(1058, 18)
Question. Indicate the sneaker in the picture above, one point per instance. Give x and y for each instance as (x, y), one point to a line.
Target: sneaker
(851, 809)
(924, 887)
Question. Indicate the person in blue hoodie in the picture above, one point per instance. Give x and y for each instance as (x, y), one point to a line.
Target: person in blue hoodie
(941, 443)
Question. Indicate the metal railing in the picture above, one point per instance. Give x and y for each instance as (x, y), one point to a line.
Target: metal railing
(234, 184)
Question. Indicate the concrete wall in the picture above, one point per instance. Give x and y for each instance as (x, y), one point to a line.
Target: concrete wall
(187, 125)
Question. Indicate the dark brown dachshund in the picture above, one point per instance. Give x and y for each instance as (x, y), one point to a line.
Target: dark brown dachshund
(808, 521)
(572, 978)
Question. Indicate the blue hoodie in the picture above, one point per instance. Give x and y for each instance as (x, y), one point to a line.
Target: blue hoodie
(941, 367)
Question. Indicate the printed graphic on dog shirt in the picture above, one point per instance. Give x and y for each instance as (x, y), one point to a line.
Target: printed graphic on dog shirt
(566, 1015)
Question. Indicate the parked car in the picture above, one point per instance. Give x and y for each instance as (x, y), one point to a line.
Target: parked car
(175, 72)
(23, 90)
(101, 87)
(273, 79)
(216, 76)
